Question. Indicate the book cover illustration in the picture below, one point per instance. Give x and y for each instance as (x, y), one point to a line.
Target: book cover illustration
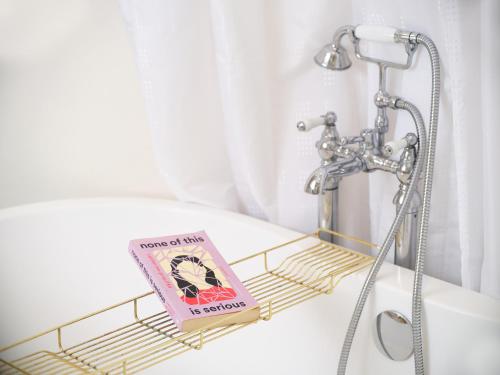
(198, 280)
(193, 281)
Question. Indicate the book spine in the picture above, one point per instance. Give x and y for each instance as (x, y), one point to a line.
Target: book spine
(156, 283)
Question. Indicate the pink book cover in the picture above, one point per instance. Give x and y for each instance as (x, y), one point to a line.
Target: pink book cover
(190, 277)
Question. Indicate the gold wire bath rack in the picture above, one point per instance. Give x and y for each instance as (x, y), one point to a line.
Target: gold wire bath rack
(306, 267)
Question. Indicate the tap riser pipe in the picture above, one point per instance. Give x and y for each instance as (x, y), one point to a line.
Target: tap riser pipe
(405, 242)
(328, 215)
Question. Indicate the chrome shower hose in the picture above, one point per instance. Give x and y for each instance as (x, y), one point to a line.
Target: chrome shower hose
(426, 205)
(426, 155)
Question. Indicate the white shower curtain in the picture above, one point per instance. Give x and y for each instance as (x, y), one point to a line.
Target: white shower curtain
(226, 81)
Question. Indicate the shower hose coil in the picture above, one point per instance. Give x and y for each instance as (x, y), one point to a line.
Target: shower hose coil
(425, 156)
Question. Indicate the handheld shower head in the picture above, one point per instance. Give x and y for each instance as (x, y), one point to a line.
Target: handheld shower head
(333, 57)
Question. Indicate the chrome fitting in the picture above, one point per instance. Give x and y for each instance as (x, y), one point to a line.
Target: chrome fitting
(394, 102)
(405, 36)
(411, 139)
(381, 99)
(330, 118)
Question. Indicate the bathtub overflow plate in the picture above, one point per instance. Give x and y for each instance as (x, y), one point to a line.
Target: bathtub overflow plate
(394, 335)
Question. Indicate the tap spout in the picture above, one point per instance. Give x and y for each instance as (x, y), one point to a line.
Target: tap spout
(313, 183)
(327, 176)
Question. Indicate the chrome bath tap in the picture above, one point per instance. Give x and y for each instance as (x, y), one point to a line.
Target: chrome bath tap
(366, 152)
(344, 156)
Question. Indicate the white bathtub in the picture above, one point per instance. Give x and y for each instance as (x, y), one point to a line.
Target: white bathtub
(63, 259)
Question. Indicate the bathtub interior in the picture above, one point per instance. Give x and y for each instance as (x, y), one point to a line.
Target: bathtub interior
(65, 259)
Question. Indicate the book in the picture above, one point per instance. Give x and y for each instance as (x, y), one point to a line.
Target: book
(193, 281)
